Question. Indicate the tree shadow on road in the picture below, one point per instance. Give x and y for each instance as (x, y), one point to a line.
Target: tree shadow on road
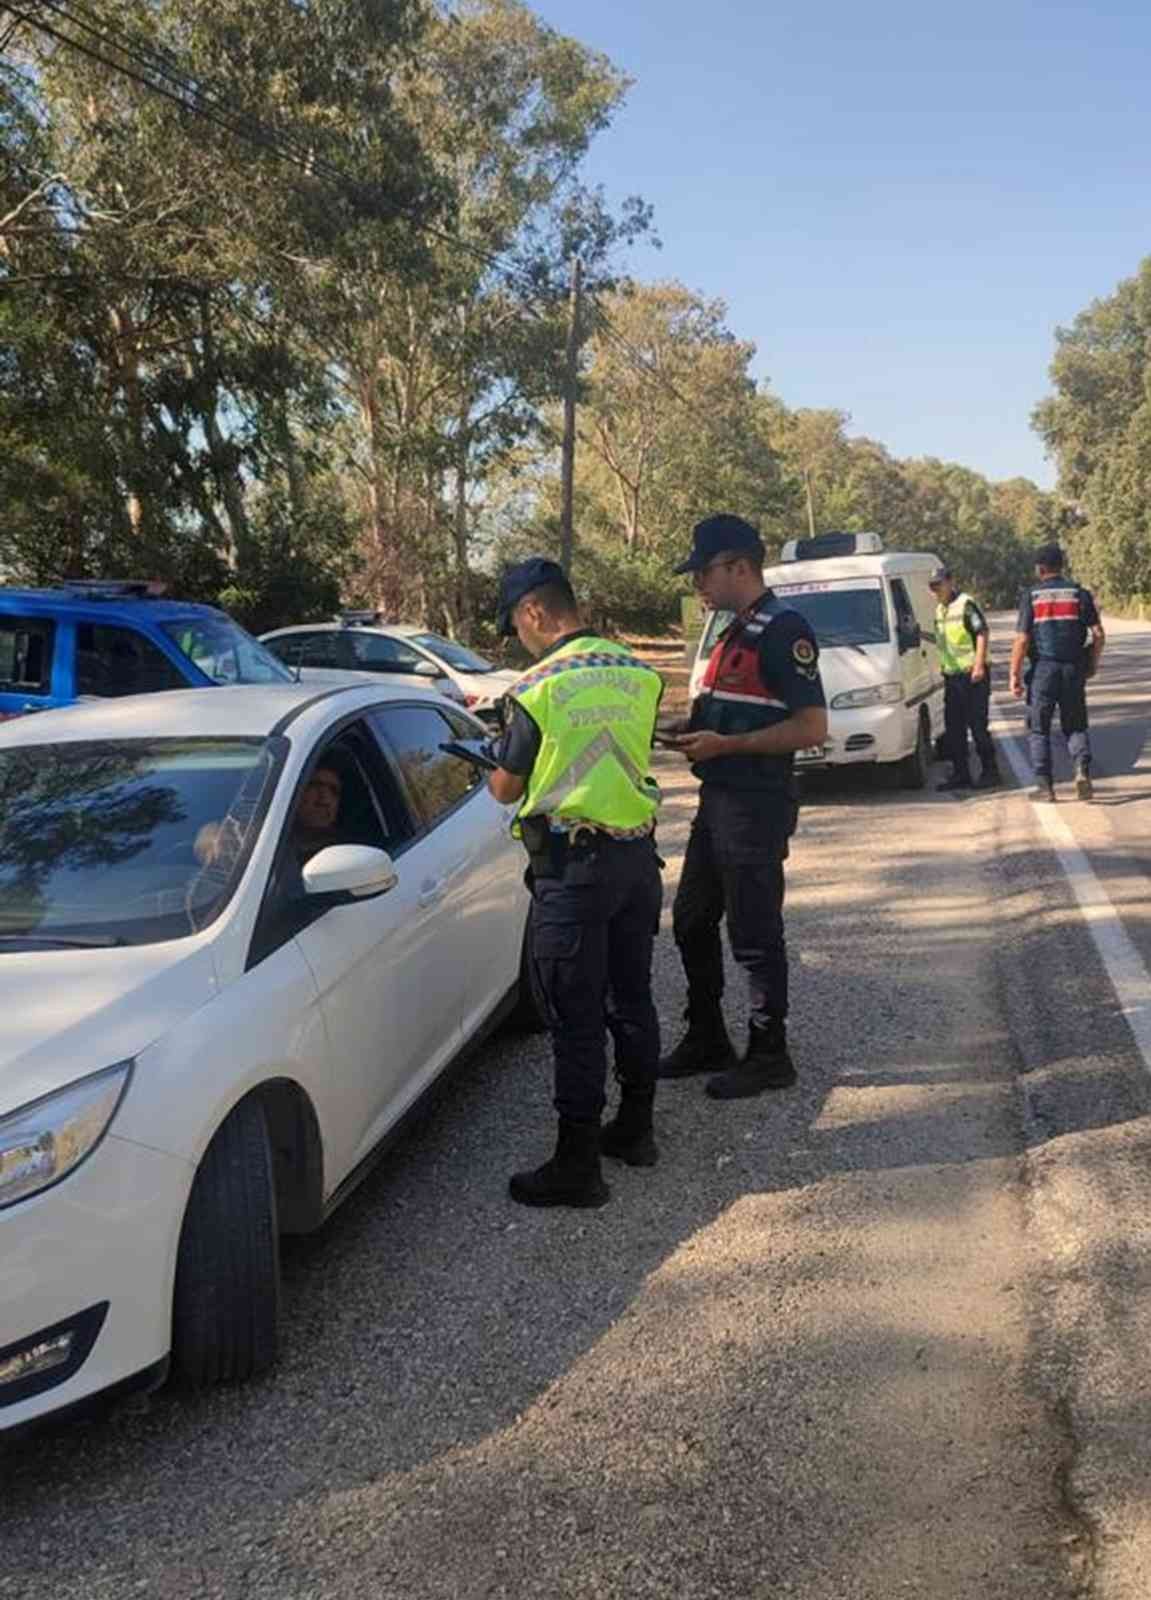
(432, 1322)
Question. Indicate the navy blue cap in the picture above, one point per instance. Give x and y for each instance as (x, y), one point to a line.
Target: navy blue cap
(1049, 556)
(714, 536)
(520, 580)
(938, 575)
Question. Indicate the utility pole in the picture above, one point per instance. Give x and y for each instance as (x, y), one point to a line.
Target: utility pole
(810, 502)
(571, 381)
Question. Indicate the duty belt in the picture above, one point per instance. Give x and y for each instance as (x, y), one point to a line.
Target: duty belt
(578, 829)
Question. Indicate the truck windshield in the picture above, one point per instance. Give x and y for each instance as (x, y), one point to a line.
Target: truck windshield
(848, 613)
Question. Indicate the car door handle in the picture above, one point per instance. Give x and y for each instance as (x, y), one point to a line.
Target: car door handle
(430, 892)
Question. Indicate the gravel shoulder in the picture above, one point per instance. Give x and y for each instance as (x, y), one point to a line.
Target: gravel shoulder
(808, 1353)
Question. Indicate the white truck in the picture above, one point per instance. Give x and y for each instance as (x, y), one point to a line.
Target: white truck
(874, 617)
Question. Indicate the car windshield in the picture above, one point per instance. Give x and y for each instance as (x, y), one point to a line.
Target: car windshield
(850, 613)
(224, 652)
(128, 841)
(452, 654)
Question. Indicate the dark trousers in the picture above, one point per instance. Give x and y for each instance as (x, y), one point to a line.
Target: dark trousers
(1061, 684)
(593, 928)
(965, 709)
(734, 869)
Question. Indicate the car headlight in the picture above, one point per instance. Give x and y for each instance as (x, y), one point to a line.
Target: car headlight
(879, 694)
(45, 1141)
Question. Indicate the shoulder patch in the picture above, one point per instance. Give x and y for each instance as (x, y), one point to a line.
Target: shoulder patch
(804, 652)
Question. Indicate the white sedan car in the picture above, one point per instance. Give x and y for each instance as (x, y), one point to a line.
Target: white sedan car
(359, 641)
(241, 934)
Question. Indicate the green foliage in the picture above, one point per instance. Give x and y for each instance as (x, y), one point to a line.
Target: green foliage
(280, 392)
(1097, 424)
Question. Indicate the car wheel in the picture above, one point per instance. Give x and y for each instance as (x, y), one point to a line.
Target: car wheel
(226, 1307)
(528, 1014)
(913, 771)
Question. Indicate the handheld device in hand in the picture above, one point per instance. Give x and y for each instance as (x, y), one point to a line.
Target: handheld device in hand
(473, 750)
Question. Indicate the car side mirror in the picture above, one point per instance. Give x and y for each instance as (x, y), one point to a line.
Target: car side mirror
(351, 871)
(425, 669)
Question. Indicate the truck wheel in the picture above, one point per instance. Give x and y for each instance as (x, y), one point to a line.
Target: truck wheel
(913, 771)
(226, 1307)
(528, 1015)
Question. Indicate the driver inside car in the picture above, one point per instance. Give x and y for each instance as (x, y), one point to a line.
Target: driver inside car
(315, 823)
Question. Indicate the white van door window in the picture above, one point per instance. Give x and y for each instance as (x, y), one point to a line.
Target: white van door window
(906, 623)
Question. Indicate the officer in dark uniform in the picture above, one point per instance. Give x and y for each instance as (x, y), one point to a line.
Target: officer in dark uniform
(1058, 630)
(576, 754)
(761, 700)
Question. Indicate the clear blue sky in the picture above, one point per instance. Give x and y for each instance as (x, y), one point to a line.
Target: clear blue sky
(898, 201)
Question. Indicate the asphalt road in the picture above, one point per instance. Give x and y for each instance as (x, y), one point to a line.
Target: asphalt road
(880, 1335)
(1085, 1093)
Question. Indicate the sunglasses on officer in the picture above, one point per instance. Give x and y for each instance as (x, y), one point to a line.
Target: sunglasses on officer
(720, 561)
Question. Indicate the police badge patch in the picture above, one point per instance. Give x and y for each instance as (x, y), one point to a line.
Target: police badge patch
(803, 652)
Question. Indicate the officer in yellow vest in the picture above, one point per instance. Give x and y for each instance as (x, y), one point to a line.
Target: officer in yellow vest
(576, 755)
(961, 634)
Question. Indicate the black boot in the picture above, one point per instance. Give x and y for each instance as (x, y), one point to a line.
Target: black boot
(766, 1065)
(572, 1177)
(957, 780)
(989, 778)
(629, 1135)
(705, 1047)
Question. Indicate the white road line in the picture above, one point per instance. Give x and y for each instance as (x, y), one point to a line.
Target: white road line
(1122, 961)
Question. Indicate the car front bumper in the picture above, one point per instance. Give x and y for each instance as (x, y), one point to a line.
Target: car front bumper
(868, 734)
(86, 1273)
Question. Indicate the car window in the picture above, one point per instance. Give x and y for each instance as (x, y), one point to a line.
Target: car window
(840, 612)
(465, 726)
(132, 841)
(26, 654)
(435, 781)
(224, 652)
(906, 622)
(456, 655)
(112, 660)
(323, 648)
(376, 652)
(904, 613)
(347, 795)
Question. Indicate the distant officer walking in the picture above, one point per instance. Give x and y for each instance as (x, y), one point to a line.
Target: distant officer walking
(1059, 626)
(577, 754)
(761, 700)
(961, 633)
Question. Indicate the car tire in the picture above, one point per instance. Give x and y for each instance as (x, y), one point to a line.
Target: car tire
(528, 1015)
(914, 770)
(226, 1306)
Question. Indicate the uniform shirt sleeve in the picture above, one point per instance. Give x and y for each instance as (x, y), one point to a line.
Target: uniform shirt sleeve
(1024, 622)
(974, 620)
(1088, 610)
(519, 744)
(789, 662)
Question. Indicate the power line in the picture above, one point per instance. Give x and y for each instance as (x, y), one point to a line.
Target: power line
(638, 361)
(158, 71)
(144, 63)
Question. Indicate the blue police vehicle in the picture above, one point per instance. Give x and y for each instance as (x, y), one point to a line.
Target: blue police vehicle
(93, 638)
